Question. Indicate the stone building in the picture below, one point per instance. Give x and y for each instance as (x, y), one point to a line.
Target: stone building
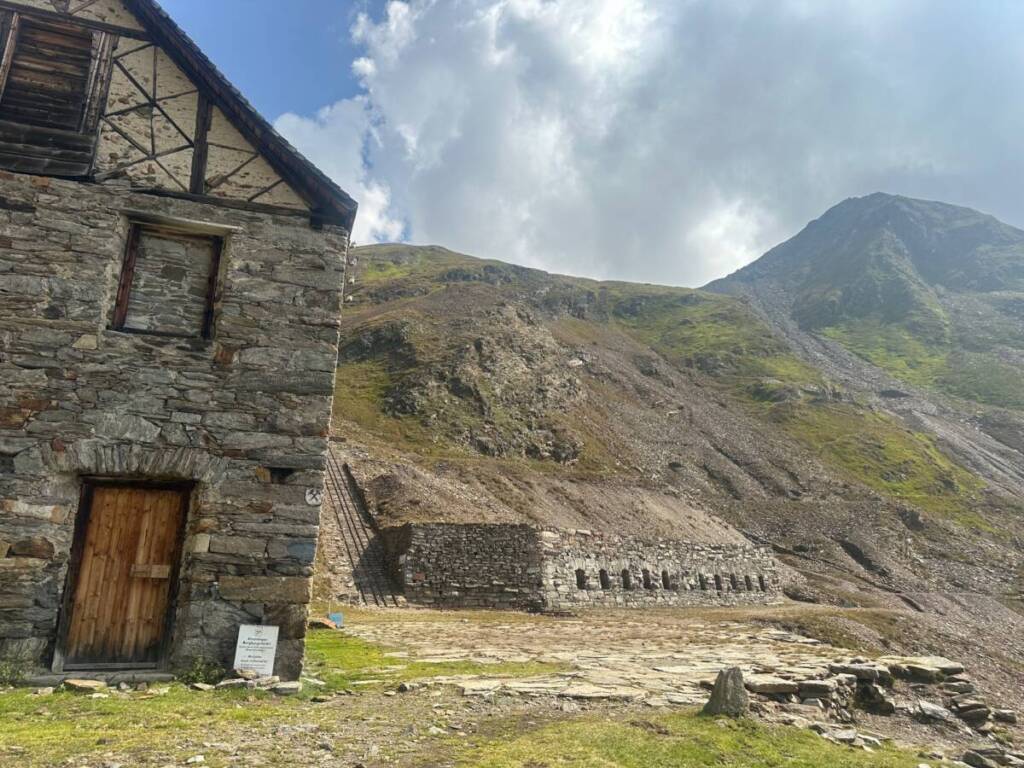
(170, 279)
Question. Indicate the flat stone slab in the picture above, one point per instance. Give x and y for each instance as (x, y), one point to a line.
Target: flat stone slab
(84, 686)
(769, 684)
(663, 660)
(587, 691)
(940, 663)
(862, 671)
(480, 687)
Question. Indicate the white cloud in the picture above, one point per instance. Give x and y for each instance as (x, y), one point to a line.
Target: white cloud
(337, 139)
(665, 140)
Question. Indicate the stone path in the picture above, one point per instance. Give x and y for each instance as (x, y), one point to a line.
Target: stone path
(660, 661)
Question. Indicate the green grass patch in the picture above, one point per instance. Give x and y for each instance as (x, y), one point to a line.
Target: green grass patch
(53, 728)
(877, 451)
(978, 376)
(983, 378)
(680, 740)
(717, 334)
(359, 392)
(380, 270)
(891, 347)
(342, 661)
(50, 729)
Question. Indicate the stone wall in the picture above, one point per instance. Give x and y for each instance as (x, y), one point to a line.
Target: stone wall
(582, 568)
(244, 415)
(524, 567)
(467, 566)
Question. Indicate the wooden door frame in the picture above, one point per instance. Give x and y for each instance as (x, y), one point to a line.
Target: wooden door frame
(85, 499)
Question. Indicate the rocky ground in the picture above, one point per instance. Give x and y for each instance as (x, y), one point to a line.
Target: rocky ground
(671, 658)
(425, 688)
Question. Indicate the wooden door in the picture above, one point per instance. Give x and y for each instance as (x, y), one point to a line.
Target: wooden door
(129, 551)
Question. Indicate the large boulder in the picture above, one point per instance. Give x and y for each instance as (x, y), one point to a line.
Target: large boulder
(729, 696)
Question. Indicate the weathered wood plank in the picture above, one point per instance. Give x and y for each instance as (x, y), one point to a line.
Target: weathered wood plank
(45, 152)
(127, 275)
(19, 133)
(42, 166)
(47, 73)
(123, 589)
(204, 116)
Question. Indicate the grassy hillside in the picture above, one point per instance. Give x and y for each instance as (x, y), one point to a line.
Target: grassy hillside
(449, 357)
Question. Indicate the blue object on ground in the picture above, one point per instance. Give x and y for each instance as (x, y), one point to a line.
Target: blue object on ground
(337, 618)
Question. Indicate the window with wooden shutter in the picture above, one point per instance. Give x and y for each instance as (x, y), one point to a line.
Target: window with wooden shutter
(168, 283)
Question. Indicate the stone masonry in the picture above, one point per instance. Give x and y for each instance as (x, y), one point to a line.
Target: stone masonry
(524, 567)
(467, 566)
(582, 568)
(242, 416)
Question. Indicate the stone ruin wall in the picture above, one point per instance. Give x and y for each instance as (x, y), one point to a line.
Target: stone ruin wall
(583, 569)
(243, 416)
(524, 567)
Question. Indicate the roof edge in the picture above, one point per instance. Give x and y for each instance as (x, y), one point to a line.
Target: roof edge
(330, 203)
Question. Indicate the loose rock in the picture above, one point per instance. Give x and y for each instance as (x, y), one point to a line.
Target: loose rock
(729, 696)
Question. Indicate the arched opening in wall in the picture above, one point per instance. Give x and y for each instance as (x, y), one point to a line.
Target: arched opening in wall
(627, 579)
(606, 583)
(666, 582)
(734, 583)
(648, 581)
(581, 579)
(703, 581)
(749, 584)
(718, 582)
(760, 583)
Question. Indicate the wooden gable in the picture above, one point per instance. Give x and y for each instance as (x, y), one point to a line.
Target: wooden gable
(160, 131)
(117, 102)
(108, 12)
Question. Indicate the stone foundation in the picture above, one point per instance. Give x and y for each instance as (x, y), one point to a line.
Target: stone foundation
(528, 568)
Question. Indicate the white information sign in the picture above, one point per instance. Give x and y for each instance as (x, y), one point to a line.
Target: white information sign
(257, 646)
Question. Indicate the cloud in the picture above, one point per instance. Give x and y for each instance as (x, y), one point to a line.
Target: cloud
(665, 140)
(338, 139)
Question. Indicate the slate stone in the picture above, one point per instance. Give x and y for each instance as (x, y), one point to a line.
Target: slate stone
(729, 695)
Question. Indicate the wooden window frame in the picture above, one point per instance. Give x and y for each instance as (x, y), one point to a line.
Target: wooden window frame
(89, 485)
(128, 263)
(10, 43)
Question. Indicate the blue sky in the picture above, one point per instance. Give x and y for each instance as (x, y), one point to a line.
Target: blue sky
(291, 55)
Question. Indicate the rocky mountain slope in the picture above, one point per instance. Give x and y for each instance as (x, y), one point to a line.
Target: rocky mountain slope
(918, 307)
(469, 389)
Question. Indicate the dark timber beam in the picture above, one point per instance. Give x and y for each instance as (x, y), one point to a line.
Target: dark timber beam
(204, 113)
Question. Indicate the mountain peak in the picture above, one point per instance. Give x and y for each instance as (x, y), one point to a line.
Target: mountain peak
(927, 242)
(928, 290)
